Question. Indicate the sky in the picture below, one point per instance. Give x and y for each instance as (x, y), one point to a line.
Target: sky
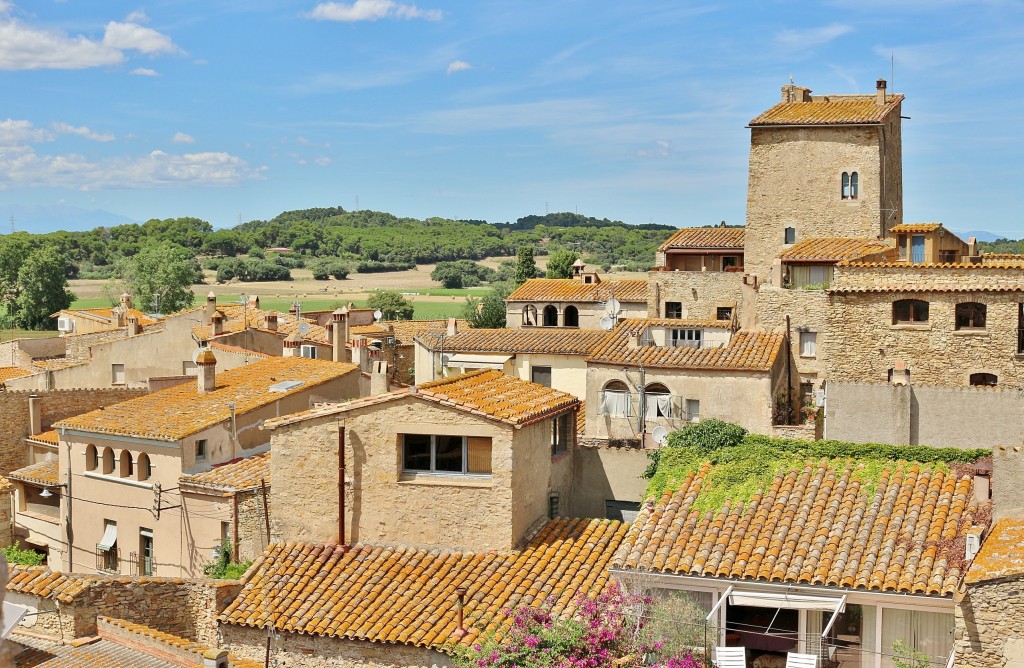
(234, 110)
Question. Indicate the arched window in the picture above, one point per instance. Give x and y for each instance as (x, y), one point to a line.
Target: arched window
(108, 461)
(550, 316)
(971, 315)
(92, 458)
(529, 315)
(909, 312)
(984, 379)
(126, 466)
(616, 400)
(851, 185)
(143, 467)
(572, 316)
(659, 401)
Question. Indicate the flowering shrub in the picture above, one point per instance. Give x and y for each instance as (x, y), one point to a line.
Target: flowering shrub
(603, 632)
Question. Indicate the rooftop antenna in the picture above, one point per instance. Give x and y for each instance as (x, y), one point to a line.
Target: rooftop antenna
(790, 77)
(892, 70)
(12, 224)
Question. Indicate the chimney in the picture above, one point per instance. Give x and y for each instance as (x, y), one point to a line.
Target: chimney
(133, 325)
(254, 301)
(216, 324)
(118, 312)
(453, 327)
(272, 320)
(126, 301)
(360, 351)
(880, 92)
(339, 334)
(294, 309)
(211, 305)
(206, 365)
(35, 414)
(291, 345)
(215, 658)
(379, 378)
(900, 373)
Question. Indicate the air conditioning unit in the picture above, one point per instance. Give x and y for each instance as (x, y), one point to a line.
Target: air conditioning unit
(308, 351)
(65, 325)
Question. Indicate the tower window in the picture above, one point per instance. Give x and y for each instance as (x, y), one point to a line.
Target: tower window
(851, 185)
(790, 237)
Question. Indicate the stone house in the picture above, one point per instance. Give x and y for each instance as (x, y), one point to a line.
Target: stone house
(122, 505)
(393, 342)
(930, 243)
(581, 301)
(92, 320)
(827, 557)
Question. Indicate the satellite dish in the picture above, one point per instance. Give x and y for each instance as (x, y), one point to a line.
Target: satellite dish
(607, 323)
(195, 353)
(378, 314)
(303, 327)
(660, 435)
(613, 306)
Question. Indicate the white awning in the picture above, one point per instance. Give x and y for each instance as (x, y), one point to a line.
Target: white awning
(109, 538)
(786, 601)
(467, 361)
(12, 615)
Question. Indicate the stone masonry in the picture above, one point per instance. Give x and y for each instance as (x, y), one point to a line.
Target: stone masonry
(990, 625)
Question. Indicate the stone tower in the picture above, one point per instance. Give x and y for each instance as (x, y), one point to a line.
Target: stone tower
(822, 166)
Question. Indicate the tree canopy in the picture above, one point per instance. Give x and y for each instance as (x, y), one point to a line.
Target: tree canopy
(487, 312)
(392, 305)
(560, 264)
(42, 289)
(159, 276)
(526, 266)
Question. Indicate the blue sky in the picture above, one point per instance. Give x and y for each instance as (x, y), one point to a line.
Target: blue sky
(228, 109)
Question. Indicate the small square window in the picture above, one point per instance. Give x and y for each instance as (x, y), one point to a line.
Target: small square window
(692, 410)
(673, 309)
(723, 313)
(808, 344)
(117, 374)
(201, 449)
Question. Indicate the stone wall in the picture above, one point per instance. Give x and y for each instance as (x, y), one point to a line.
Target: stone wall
(990, 625)
(252, 525)
(604, 473)
(701, 293)
(57, 405)
(77, 345)
(1008, 481)
(293, 650)
(964, 417)
(860, 324)
(943, 277)
(808, 312)
(6, 515)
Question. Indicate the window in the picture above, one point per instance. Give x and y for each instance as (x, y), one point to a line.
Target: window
(984, 379)
(659, 401)
(808, 344)
(970, 315)
(909, 312)
(529, 315)
(723, 313)
(106, 549)
(562, 431)
(550, 316)
(807, 394)
(616, 400)
(572, 316)
(189, 368)
(541, 375)
(144, 468)
(108, 461)
(425, 453)
(126, 467)
(851, 185)
(685, 338)
(554, 501)
(811, 276)
(917, 248)
(673, 309)
(692, 410)
(92, 458)
(117, 374)
(947, 256)
(145, 551)
(307, 351)
(729, 261)
(201, 449)
(789, 235)
(927, 632)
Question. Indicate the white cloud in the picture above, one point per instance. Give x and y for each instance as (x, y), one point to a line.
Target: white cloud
(137, 17)
(371, 10)
(661, 149)
(182, 138)
(810, 37)
(457, 66)
(144, 72)
(125, 36)
(323, 161)
(65, 128)
(18, 133)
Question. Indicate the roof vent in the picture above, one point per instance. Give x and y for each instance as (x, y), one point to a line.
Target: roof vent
(285, 385)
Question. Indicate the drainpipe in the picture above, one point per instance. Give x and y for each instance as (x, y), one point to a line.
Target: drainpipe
(234, 529)
(69, 533)
(341, 490)
(789, 372)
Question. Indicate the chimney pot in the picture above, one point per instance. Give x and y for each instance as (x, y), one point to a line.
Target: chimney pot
(880, 91)
(453, 327)
(206, 364)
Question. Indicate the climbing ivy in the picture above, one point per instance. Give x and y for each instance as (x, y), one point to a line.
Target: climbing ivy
(745, 464)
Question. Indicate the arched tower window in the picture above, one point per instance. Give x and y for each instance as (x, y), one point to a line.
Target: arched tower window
(92, 458)
(529, 315)
(572, 316)
(850, 185)
(550, 316)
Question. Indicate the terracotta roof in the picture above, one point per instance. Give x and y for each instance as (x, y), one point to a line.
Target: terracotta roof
(1002, 553)
(41, 581)
(551, 341)
(574, 290)
(238, 474)
(49, 436)
(746, 351)
(705, 237)
(40, 473)
(927, 287)
(55, 363)
(581, 419)
(914, 228)
(9, 372)
(257, 319)
(106, 314)
(401, 595)
(830, 110)
(487, 393)
(174, 413)
(836, 250)
(237, 350)
(815, 525)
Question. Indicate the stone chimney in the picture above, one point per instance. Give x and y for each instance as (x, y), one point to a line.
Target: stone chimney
(206, 364)
(211, 305)
(379, 378)
(339, 334)
(880, 92)
(216, 324)
(794, 93)
(453, 327)
(35, 414)
(215, 658)
(134, 328)
(272, 320)
(118, 312)
(291, 345)
(900, 373)
(126, 301)
(1007, 482)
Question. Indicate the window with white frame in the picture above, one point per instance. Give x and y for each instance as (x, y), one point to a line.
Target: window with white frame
(616, 400)
(685, 338)
(808, 344)
(659, 401)
(445, 454)
(692, 410)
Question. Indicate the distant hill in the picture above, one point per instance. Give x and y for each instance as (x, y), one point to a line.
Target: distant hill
(51, 218)
(980, 235)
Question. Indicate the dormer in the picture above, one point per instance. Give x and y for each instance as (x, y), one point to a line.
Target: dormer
(580, 271)
(929, 243)
(686, 334)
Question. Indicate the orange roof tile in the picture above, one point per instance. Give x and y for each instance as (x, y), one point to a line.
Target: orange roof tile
(815, 525)
(237, 350)
(106, 314)
(574, 290)
(914, 228)
(1001, 554)
(174, 413)
(830, 110)
(746, 351)
(40, 473)
(403, 330)
(833, 249)
(49, 436)
(236, 315)
(706, 237)
(401, 595)
(551, 341)
(9, 372)
(238, 474)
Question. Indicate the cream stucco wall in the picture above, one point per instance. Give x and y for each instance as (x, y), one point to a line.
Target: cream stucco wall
(590, 312)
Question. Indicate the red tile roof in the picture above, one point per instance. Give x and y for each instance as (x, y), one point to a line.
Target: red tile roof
(49, 436)
(830, 110)
(10, 372)
(706, 238)
(40, 473)
(401, 595)
(914, 228)
(815, 525)
(551, 341)
(574, 290)
(1002, 553)
(837, 249)
(236, 475)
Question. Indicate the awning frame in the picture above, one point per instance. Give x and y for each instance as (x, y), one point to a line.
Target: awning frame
(109, 538)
